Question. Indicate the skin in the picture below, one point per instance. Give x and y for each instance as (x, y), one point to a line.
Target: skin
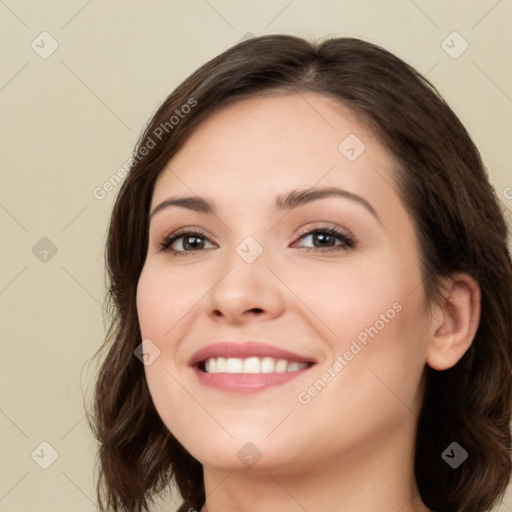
(351, 447)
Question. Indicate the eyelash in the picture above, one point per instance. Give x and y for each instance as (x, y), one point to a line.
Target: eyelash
(348, 241)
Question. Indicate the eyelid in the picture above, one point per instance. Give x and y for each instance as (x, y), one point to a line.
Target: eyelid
(167, 240)
(347, 238)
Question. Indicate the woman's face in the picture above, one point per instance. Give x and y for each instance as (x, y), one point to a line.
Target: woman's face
(337, 319)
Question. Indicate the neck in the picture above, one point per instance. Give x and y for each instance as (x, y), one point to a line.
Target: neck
(377, 476)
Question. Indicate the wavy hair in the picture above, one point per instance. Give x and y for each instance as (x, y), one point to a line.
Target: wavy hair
(441, 180)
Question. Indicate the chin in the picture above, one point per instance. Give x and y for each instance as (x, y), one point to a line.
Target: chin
(242, 452)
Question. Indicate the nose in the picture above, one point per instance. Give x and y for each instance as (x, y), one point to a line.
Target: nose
(245, 292)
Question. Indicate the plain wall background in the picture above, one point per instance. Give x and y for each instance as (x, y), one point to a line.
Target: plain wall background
(70, 120)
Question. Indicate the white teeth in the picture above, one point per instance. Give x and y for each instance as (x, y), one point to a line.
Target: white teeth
(281, 366)
(293, 367)
(251, 365)
(268, 365)
(220, 364)
(234, 365)
(210, 365)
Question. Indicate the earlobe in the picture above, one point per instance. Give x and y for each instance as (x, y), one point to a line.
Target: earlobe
(457, 319)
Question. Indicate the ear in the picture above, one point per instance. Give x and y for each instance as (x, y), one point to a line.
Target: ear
(455, 322)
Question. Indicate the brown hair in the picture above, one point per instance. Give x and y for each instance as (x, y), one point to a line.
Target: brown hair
(459, 224)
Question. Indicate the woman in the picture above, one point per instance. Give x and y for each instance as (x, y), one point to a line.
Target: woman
(311, 295)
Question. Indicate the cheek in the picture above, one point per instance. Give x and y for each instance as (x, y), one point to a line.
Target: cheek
(350, 297)
(163, 298)
(372, 315)
(160, 305)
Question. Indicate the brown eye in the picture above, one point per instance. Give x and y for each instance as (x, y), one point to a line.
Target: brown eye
(327, 239)
(184, 241)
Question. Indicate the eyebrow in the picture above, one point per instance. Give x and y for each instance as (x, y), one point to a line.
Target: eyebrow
(290, 200)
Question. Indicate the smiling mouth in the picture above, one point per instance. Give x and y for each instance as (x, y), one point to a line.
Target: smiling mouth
(247, 367)
(252, 365)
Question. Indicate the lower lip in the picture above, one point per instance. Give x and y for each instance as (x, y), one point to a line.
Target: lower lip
(246, 382)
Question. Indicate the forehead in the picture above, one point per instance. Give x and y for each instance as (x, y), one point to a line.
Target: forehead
(265, 145)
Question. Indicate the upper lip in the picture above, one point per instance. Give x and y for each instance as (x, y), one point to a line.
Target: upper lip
(243, 350)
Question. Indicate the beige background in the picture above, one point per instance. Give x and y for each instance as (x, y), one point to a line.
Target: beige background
(70, 120)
